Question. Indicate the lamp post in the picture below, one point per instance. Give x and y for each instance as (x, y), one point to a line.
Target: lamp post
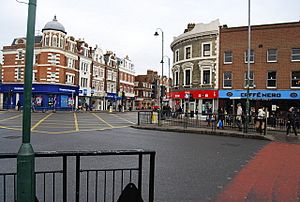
(25, 158)
(248, 71)
(169, 76)
(162, 65)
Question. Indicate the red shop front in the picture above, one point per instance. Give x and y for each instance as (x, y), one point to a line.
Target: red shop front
(200, 101)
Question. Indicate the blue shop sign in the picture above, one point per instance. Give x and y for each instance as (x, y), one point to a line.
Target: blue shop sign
(112, 96)
(261, 94)
(40, 88)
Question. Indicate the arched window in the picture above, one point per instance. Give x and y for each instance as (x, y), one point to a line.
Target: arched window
(54, 41)
(47, 40)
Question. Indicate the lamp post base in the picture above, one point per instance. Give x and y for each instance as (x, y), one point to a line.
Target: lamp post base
(25, 174)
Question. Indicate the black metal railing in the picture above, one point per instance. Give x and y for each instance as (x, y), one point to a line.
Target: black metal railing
(211, 121)
(83, 175)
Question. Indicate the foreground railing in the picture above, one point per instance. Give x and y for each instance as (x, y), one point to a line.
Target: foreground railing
(83, 175)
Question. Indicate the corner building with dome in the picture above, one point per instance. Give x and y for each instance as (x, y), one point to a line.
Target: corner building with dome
(55, 70)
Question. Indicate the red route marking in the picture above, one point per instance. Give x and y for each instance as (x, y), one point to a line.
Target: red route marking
(273, 175)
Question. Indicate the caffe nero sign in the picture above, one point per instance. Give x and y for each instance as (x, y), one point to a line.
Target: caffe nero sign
(257, 94)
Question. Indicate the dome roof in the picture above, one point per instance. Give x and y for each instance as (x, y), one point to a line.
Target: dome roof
(54, 25)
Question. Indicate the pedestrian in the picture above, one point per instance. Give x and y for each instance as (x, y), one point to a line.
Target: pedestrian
(291, 117)
(221, 118)
(19, 105)
(86, 106)
(261, 117)
(239, 114)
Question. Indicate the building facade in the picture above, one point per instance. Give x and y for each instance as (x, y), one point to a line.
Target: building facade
(195, 68)
(274, 66)
(55, 72)
(143, 87)
(126, 83)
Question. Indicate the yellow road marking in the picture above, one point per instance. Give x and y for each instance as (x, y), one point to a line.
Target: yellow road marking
(9, 128)
(13, 117)
(103, 120)
(41, 121)
(76, 122)
(123, 118)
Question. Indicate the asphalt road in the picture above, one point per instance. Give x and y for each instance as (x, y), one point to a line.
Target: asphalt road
(189, 167)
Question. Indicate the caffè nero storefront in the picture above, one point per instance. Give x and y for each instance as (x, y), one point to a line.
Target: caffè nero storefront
(274, 100)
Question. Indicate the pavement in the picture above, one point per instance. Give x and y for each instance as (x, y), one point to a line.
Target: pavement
(271, 135)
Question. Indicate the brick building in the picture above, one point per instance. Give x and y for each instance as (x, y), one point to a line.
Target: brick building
(275, 66)
(55, 70)
(143, 90)
(195, 68)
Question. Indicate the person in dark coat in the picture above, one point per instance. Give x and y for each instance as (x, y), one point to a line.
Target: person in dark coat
(291, 118)
(19, 105)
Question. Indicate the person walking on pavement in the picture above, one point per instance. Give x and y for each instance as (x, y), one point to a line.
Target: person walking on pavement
(291, 117)
(19, 105)
(261, 117)
(239, 113)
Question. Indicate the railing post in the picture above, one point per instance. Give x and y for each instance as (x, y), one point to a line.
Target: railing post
(138, 118)
(151, 177)
(140, 173)
(65, 184)
(77, 173)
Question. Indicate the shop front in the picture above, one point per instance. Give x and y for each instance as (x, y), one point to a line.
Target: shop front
(195, 101)
(274, 100)
(44, 97)
(111, 100)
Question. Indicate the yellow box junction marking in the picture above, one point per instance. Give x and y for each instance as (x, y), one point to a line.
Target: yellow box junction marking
(103, 120)
(123, 119)
(41, 121)
(13, 117)
(76, 122)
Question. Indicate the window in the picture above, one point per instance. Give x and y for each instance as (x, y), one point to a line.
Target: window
(227, 57)
(251, 56)
(47, 40)
(295, 54)
(176, 55)
(206, 49)
(71, 63)
(53, 75)
(251, 79)
(34, 76)
(271, 82)
(70, 79)
(176, 76)
(20, 54)
(206, 77)
(272, 55)
(54, 42)
(187, 77)
(19, 74)
(296, 79)
(227, 80)
(83, 82)
(53, 59)
(188, 52)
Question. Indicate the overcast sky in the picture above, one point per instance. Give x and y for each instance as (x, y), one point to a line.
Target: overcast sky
(127, 26)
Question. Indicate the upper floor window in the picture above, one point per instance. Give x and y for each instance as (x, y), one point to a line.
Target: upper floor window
(227, 57)
(54, 41)
(206, 49)
(296, 79)
(177, 55)
(20, 54)
(251, 56)
(206, 76)
(176, 78)
(70, 79)
(295, 54)
(47, 38)
(188, 52)
(251, 79)
(19, 73)
(227, 80)
(271, 82)
(272, 55)
(187, 77)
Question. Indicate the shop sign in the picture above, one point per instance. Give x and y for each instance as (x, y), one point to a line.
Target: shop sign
(260, 94)
(196, 94)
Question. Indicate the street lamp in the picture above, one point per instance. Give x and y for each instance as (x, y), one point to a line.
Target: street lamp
(169, 84)
(25, 158)
(248, 71)
(162, 64)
